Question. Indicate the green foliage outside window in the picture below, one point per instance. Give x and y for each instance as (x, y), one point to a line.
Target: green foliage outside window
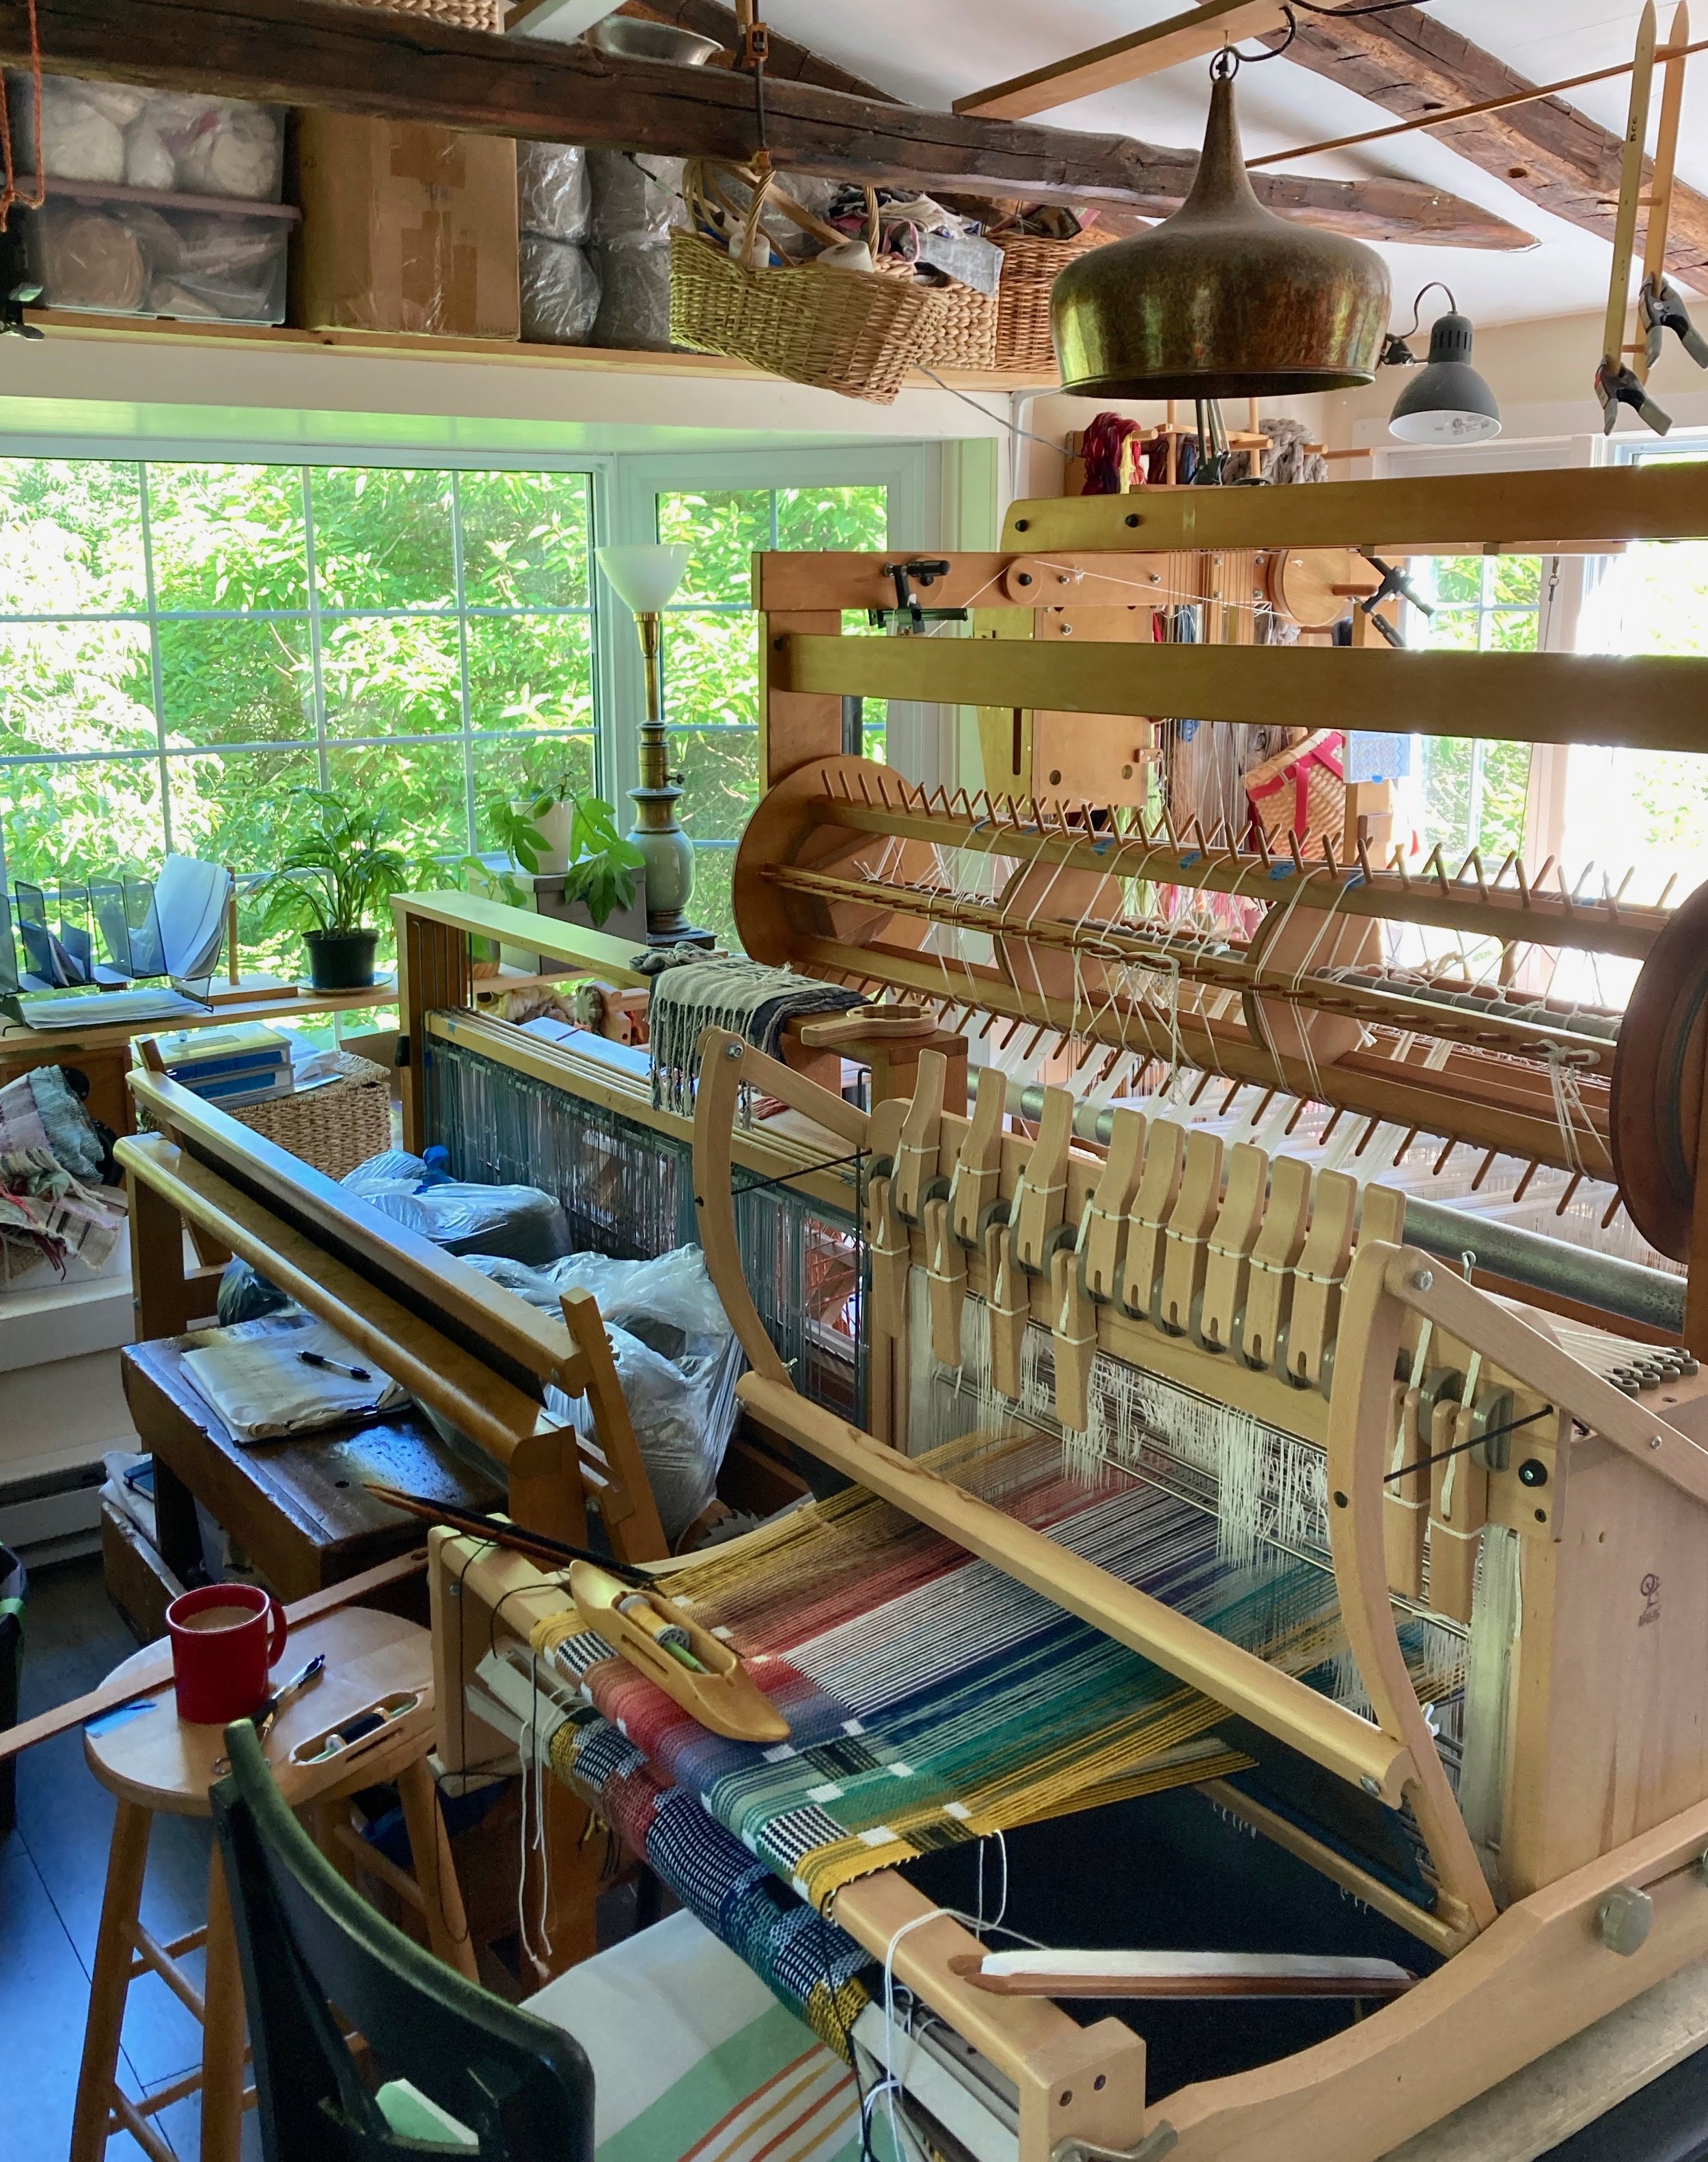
(711, 666)
(1475, 793)
(182, 644)
(207, 638)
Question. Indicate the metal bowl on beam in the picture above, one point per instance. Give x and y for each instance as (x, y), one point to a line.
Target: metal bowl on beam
(1224, 299)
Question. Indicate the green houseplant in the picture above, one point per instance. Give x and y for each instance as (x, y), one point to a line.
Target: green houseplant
(342, 866)
(599, 865)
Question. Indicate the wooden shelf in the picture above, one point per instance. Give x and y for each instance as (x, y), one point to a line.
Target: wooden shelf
(499, 352)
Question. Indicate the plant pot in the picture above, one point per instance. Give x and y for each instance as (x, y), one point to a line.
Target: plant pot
(556, 825)
(339, 960)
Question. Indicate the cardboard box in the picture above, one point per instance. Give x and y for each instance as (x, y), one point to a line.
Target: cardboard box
(406, 227)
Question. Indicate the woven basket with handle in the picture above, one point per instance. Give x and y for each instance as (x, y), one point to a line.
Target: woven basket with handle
(964, 334)
(1300, 793)
(1030, 268)
(836, 330)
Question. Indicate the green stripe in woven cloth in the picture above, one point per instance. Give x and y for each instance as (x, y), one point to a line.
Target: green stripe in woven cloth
(769, 2090)
(931, 1699)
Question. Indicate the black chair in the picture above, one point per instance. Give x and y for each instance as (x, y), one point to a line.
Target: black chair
(308, 1941)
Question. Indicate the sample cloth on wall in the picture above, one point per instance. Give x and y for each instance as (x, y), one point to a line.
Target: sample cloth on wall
(931, 1699)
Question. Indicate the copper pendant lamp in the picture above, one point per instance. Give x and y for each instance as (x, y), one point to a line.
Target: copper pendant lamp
(1224, 299)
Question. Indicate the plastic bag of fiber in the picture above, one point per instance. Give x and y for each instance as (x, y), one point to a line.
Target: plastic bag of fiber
(676, 1356)
(523, 1223)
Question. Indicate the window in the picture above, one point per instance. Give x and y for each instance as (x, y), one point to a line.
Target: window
(180, 644)
(184, 639)
(1473, 795)
(1642, 811)
(711, 670)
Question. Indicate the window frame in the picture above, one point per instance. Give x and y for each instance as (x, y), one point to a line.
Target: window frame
(621, 489)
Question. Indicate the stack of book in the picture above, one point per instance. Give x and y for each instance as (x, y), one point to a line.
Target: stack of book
(246, 1063)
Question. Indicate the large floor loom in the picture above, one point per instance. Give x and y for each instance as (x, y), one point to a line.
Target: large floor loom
(1191, 1500)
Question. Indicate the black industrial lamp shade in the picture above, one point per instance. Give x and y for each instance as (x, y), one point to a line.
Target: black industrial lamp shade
(1447, 401)
(1224, 299)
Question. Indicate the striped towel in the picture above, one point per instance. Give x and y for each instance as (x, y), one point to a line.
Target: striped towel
(694, 2060)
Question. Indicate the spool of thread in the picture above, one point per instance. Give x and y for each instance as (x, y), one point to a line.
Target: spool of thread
(669, 1636)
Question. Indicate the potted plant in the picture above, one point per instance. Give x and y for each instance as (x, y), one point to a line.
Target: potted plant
(342, 866)
(598, 864)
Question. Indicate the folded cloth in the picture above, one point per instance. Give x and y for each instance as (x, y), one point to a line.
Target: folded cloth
(45, 1210)
(256, 1378)
(750, 1000)
(692, 2056)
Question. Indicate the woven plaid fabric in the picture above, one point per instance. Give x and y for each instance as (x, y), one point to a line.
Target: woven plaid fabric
(931, 1699)
(807, 1962)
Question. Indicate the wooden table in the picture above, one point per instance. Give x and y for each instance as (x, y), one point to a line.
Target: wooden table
(297, 1508)
(104, 1053)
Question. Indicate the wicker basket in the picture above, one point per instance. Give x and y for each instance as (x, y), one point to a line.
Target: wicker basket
(964, 333)
(835, 330)
(334, 1127)
(1030, 268)
(462, 14)
(1300, 793)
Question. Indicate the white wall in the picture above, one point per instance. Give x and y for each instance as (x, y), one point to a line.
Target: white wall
(156, 390)
(1543, 375)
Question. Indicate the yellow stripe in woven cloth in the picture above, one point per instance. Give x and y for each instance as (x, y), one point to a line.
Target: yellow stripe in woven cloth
(831, 2012)
(555, 1629)
(824, 1872)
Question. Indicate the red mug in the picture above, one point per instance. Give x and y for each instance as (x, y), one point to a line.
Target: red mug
(225, 1636)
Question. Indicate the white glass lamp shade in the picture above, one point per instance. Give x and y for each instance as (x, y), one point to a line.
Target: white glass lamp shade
(645, 574)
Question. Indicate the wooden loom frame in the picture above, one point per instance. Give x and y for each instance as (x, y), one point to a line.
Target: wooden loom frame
(1099, 567)
(469, 1350)
(1517, 1983)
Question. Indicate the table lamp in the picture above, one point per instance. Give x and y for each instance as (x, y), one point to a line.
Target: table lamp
(645, 575)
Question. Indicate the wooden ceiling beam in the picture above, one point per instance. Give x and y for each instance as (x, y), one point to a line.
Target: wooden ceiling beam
(789, 61)
(390, 66)
(1192, 36)
(1408, 62)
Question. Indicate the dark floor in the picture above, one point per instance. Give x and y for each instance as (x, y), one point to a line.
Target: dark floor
(52, 1869)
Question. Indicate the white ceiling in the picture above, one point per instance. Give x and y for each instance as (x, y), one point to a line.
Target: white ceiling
(955, 46)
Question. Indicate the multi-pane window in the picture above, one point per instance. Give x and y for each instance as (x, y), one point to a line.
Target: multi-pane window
(1473, 794)
(180, 644)
(1645, 812)
(711, 668)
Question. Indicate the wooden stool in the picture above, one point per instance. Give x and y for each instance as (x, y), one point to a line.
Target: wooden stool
(154, 1762)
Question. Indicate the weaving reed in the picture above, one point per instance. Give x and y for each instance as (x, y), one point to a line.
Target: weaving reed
(932, 1699)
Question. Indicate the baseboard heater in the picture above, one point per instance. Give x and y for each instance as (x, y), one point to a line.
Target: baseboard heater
(53, 1515)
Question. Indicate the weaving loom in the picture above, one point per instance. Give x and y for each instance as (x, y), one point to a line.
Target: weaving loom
(1192, 1500)
(511, 1105)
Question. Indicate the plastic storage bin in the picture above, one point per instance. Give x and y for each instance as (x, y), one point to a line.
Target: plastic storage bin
(119, 251)
(161, 142)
